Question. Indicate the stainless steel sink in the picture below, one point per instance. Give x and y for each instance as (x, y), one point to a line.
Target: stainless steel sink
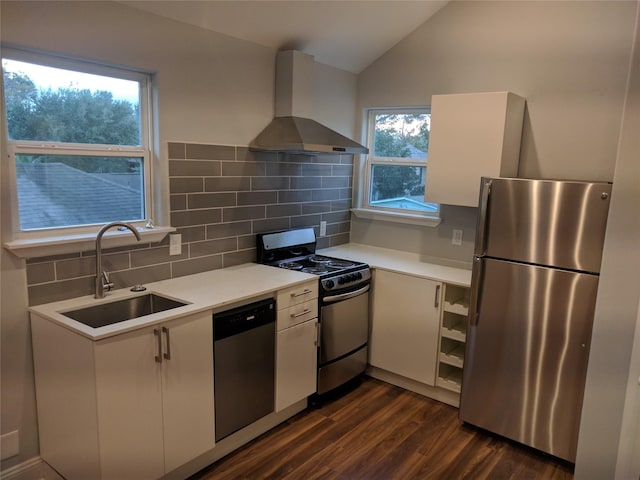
(127, 309)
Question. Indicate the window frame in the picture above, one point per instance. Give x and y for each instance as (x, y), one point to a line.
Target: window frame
(17, 238)
(367, 209)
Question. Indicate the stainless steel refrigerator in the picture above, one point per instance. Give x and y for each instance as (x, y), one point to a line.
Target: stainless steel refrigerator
(533, 292)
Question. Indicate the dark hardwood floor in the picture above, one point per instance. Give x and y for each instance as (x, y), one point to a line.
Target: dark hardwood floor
(378, 431)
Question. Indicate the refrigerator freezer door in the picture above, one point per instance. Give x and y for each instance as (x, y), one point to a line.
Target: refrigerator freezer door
(554, 223)
(526, 354)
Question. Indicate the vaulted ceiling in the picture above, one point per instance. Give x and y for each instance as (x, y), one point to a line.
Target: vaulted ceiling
(347, 34)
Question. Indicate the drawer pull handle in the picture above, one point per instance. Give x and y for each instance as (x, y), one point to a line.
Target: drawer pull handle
(304, 292)
(304, 312)
(158, 357)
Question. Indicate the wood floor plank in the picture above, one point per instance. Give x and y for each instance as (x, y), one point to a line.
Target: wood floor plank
(376, 431)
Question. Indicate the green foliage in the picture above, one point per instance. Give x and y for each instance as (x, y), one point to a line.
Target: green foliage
(396, 134)
(393, 181)
(71, 116)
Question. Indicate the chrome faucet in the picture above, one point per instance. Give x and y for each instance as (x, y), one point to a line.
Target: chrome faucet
(102, 279)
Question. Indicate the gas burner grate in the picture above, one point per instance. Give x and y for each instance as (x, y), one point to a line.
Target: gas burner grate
(339, 264)
(319, 259)
(314, 270)
(290, 265)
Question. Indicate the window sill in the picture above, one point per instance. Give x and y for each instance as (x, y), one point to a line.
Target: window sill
(46, 246)
(407, 218)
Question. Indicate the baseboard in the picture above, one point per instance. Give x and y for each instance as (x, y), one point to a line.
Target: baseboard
(440, 394)
(33, 469)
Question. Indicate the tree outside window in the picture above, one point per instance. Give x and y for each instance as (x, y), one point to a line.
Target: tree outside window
(397, 165)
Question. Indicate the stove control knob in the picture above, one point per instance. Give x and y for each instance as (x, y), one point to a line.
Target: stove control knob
(329, 284)
(341, 281)
(359, 276)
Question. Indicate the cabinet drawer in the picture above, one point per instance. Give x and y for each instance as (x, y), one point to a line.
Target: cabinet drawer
(298, 294)
(288, 317)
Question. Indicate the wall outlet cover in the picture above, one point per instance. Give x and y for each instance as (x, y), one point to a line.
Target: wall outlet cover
(323, 228)
(175, 244)
(456, 238)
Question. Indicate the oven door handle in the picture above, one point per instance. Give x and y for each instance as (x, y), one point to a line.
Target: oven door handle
(345, 296)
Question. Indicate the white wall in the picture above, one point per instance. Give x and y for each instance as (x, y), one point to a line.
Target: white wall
(568, 59)
(611, 377)
(211, 88)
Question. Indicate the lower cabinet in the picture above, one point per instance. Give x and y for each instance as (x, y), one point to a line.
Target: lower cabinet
(136, 405)
(296, 363)
(405, 325)
(296, 344)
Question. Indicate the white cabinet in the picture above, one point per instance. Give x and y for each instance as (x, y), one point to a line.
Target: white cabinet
(405, 325)
(453, 334)
(472, 135)
(136, 405)
(296, 344)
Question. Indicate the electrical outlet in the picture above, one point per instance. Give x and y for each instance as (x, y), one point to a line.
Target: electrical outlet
(10, 444)
(175, 244)
(456, 238)
(323, 228)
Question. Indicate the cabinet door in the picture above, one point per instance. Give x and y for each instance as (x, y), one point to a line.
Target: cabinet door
(296, 363)
(129, 396)
(472, 135)
(187, 386)
(404, 325)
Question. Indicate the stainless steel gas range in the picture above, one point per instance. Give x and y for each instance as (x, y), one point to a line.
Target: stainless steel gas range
(343, 302)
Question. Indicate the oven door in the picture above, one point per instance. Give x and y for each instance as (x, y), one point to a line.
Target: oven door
(344, 323)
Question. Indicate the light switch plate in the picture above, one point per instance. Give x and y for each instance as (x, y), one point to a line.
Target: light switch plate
(323, 228)
(175, 244)
(456, 238)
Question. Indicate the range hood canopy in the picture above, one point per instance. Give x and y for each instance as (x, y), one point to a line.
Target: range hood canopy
(292, 130)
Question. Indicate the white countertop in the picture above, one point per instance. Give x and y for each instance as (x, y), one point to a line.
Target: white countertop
(203, 291)
(401, 262)
(216, 289)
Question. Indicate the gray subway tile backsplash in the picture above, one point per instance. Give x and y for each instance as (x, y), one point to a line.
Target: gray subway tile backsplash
(221, 196)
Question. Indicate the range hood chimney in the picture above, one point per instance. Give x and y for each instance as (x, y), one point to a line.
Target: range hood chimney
(292, 130)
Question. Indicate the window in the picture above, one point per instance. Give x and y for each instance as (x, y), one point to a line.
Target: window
(396, 167)
(78, 143)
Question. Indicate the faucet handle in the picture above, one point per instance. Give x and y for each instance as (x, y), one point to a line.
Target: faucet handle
(106, 284)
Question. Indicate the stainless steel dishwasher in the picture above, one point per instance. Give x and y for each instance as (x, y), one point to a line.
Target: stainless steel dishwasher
(243, 364)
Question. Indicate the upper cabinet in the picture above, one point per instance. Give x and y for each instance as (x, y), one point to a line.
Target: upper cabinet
(472, 135)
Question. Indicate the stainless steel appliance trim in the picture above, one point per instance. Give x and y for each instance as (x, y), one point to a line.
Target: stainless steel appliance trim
(341, 371)
(345, 296)
(474, 295)
(524, 373)
(546, 222)
(481, 234)
(344, 326)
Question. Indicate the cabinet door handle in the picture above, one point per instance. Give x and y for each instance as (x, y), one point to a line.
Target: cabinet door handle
(156, 332)
(167, 354)
(304, 312)
(304, 292)
(436, 300)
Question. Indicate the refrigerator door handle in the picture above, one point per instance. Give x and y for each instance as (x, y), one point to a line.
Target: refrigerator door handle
(481, 236)
(474, 296)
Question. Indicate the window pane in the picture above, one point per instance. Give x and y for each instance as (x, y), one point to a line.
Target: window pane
(399, 186)
(61, 190)
(401, 135)
(55, 105)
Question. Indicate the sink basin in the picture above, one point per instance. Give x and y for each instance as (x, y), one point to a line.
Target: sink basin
(129, 308)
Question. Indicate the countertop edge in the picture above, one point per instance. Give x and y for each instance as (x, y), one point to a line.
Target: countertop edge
(233, 285)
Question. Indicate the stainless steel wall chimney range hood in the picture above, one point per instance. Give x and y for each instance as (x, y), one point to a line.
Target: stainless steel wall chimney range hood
(292, 130)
